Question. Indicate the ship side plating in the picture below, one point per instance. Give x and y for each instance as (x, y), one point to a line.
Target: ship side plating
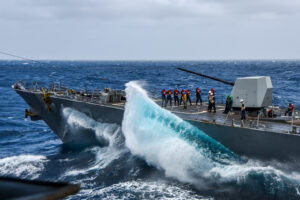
(57, 121)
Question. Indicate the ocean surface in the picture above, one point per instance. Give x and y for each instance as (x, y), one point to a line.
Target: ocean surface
(154, 154)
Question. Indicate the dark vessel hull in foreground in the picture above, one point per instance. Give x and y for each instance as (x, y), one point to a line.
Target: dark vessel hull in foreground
(265, 140)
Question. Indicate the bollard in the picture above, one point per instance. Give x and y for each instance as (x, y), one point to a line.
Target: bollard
(242, 123)
(294, 129)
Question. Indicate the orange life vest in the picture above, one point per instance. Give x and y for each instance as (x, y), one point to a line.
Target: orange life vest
(182, 92)
(176, 92)
(291, 107)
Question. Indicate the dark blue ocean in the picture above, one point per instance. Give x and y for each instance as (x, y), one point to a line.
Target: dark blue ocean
(145, 159)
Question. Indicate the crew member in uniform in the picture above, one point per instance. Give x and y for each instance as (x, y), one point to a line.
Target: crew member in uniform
(228, 104)
(212, 101)
(182, 93)
(163, 97)
(184, 99)
(290, 110)
(188, 95)
(176, 98)
(243, 110)
(209, 104)
(169, 98)
(198, 96)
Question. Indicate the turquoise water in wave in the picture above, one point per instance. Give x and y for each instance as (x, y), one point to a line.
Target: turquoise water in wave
(154, 154)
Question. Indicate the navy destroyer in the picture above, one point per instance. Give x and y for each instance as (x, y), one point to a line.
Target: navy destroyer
(260, 136)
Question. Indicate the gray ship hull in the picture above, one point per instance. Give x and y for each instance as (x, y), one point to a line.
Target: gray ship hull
(252, 143)
(55, 118)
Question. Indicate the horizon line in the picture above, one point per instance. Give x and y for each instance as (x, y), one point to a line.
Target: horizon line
(156, 60)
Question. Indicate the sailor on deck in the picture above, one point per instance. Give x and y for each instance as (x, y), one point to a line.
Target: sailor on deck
(198, 96)
(188, 95)
(184, 99)
(169, 98)
(228, 104)
(176, 98)
(243, 110)
(182, 93)
(290, 110)
(163, 98)
(211, 102)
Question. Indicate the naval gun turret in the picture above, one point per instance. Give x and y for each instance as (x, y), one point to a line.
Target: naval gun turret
(256, 91)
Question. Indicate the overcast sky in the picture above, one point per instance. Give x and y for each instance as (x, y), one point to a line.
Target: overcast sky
(150, 29)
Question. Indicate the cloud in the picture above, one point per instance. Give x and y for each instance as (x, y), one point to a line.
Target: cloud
(263, 8)
(104, 9)
(151, 29)
(144, 9)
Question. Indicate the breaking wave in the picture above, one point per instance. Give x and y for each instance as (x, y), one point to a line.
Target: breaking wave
(109, 136)
(79, 127)
(22, 166)
(168, 142)
(187, 154)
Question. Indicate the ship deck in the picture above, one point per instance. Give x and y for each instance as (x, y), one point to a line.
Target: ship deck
(280, 124)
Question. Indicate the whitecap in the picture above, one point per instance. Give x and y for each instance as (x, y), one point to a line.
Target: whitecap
(23, 166)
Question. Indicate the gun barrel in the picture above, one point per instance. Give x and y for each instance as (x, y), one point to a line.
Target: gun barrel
(206, 76)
